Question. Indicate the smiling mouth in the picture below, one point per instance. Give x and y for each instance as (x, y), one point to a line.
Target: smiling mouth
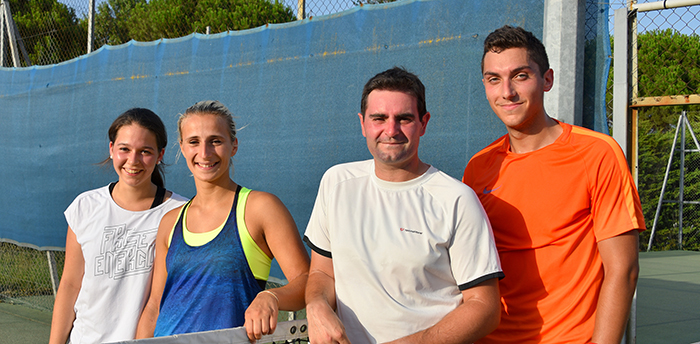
(202, 165)
(130, 171)
(509, 105)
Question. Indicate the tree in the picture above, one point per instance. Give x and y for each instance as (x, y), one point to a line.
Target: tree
(50, 31)
(119, 21)
(112, 21)
(668, 65)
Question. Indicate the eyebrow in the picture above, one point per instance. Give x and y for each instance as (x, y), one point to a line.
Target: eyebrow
(514, 71)
(122, 144)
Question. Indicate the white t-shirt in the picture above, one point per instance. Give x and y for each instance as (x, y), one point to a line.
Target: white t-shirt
(401, 251)
(118, 246)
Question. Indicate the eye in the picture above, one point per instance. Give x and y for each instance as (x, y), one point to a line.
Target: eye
(124, 149)
(146, 152)
(521, 76)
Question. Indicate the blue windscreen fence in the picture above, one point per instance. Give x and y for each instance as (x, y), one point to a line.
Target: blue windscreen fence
(294, 89)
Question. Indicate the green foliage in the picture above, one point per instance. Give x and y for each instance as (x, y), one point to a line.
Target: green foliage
(668, 65)
(50, 30)
(123, 20)
(654, 150)
(112, 21)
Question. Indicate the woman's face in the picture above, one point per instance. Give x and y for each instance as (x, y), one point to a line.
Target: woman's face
(206, 145)
(135, 154)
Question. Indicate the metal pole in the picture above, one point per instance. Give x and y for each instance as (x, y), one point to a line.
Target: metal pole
(663, 186)
(301, 9)
(91, 26)
(621, 79)
(680, 184)
(10, 26)
(662, 5)
(2, 34)
(53, 271)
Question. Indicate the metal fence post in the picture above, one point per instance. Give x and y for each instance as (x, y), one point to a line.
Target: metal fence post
(91, 26)
(53, 271)
(301, 10)
(2, 34)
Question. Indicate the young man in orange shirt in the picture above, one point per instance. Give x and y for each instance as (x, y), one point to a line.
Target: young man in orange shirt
(565, 212)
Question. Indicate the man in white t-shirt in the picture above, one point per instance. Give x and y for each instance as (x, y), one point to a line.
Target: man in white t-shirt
(401, 252)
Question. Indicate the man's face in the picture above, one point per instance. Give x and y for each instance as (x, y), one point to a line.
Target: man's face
(392, 127)
(515, 88)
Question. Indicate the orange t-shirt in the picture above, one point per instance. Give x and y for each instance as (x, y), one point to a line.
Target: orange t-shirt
(548, 210)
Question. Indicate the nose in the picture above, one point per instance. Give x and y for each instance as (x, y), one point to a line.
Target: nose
(205, 150)
(508, 89)
(133, 156)
(392, 127)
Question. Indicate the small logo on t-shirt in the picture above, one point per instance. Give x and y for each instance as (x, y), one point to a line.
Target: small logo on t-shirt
(409, 231)
(488, 191)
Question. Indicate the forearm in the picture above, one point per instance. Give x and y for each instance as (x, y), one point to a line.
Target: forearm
(620, 263)
(63, 314)
(320, 289)
(291, 295)
(470, 321)
(147, 321)
(613, 308)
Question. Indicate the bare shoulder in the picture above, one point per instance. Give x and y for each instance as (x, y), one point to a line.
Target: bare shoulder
(267, 212)
(263, 201)
(168, 221)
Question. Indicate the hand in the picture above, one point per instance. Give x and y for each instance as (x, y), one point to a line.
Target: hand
(261, 315)
(324, 325)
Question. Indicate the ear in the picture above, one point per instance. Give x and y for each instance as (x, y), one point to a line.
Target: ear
(362, 124)
(161, 154)
(424, 121)
(235, 147)
(548, 80)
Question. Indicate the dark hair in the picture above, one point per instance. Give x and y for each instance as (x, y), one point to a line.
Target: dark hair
(396, 79)
(151, 122)
(212, 107)
(508, 37)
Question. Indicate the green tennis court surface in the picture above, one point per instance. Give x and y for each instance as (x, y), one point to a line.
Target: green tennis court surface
(668, 304)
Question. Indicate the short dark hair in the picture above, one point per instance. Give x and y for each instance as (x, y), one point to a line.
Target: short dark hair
(508, 37)
(396, 79)
(150, 121)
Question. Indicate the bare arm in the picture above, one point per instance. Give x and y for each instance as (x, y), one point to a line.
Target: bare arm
(273, 229)
(620, 261)
(71, 281)
(477, 316)
(149, 315)
(324, 324)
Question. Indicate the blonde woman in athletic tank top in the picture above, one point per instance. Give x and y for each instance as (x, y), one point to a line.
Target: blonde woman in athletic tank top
(212, 253)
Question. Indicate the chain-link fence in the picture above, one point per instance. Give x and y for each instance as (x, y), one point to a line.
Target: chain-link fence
(53, 31)
(25, 276)
(665, 81)
(676, 221)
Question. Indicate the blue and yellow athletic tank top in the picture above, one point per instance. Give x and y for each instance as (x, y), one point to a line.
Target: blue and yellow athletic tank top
(208, 287)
